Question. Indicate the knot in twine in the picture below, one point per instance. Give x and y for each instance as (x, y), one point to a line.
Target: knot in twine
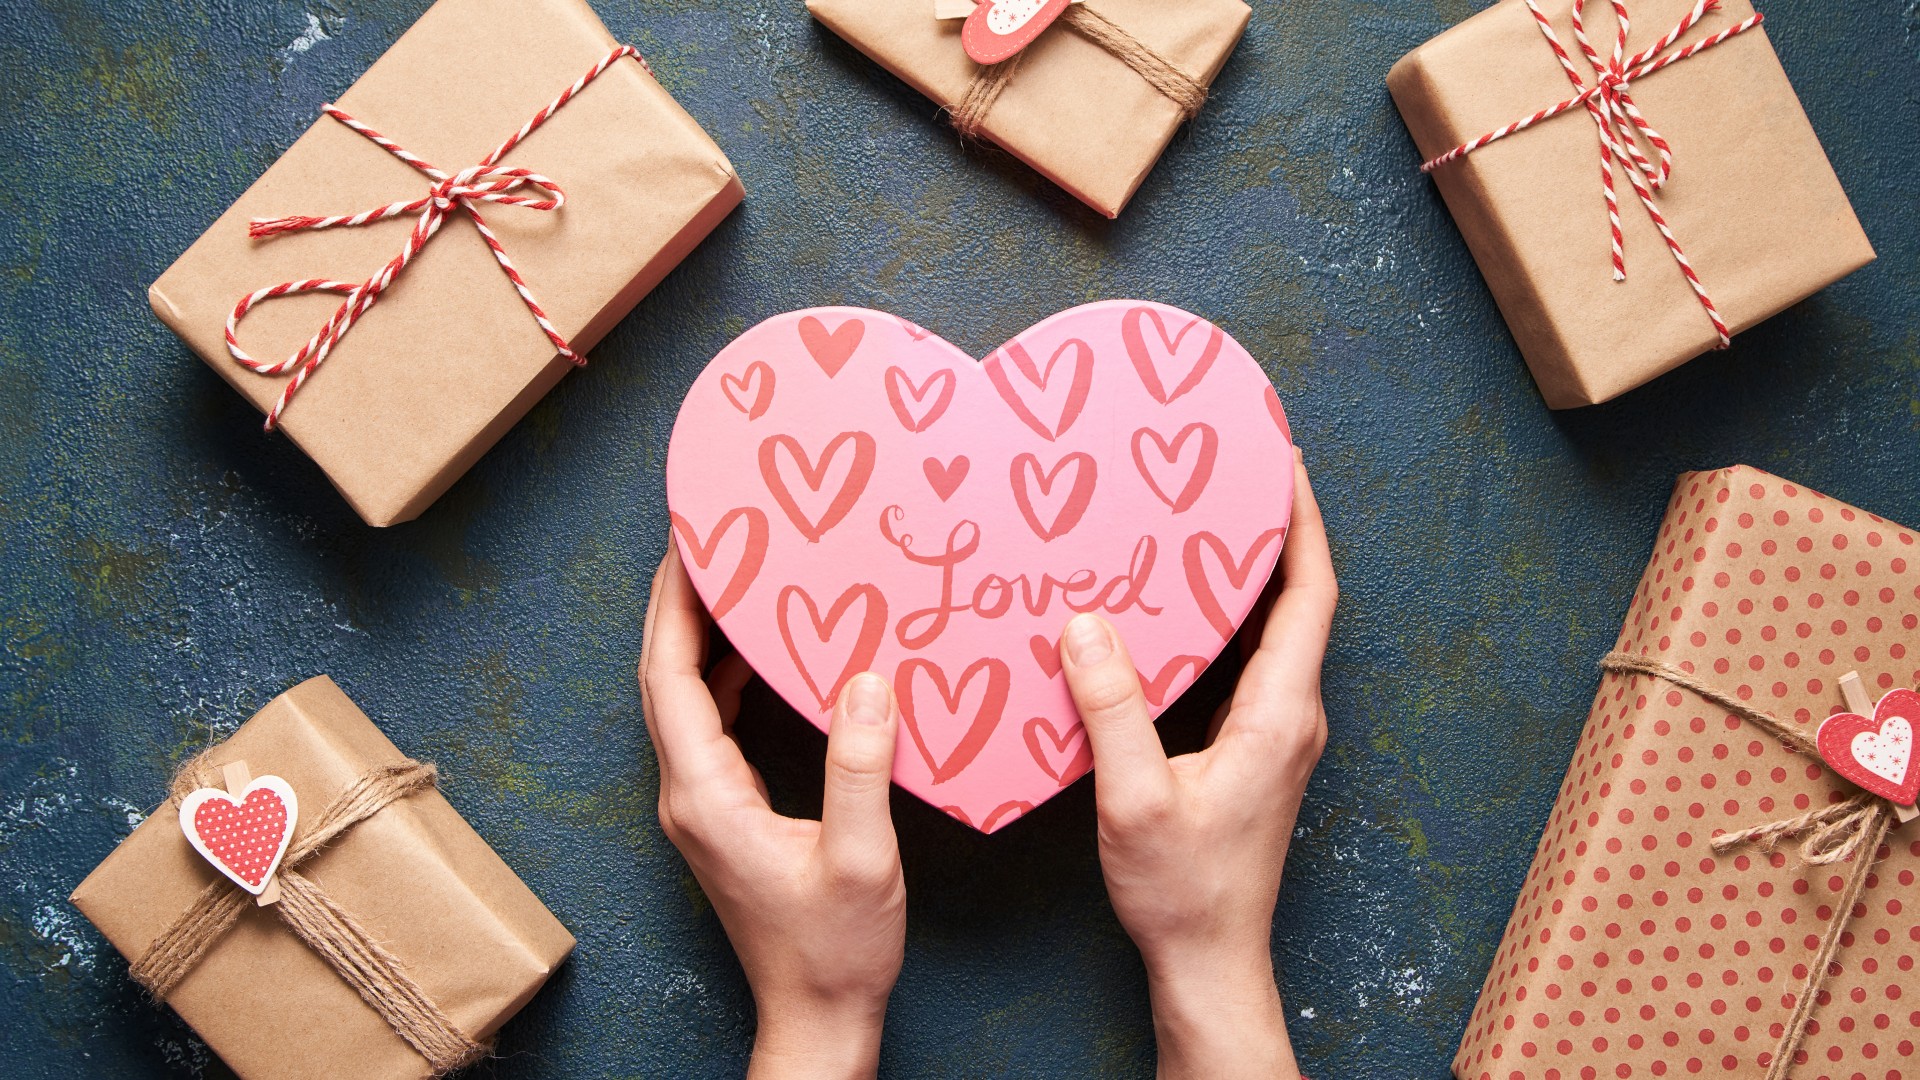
(485, 182)
(1187, 93)
(330, 931)
(1622, 127)
(1853, 829)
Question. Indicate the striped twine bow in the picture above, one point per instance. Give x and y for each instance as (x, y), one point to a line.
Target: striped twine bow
(1622, 126)
(465, 190)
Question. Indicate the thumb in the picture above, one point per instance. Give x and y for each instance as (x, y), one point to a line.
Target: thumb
(856, 821)
(1130, 768)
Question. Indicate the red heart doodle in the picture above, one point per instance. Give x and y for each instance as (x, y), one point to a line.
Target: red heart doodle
(946, 479)
(972, 734)
(1147, 358)
(815, 474)
(1238, 572)
(995, 819)
(831, 349)
(900, 389)
(1065, 757)
(1026, 475)
(859, 656)
(1278, 413)
(1877, 754)
(1198, 472)
(1072, 401)
(752, 555)
(997, 29)
(1046, 653)
(759, 379)
(1159, 688)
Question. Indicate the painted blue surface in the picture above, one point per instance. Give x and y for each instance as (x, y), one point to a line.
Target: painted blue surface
(165, 569)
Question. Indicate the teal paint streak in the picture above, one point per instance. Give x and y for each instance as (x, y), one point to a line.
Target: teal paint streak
(164, 569)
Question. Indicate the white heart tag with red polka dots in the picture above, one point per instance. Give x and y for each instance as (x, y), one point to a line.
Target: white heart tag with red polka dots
(243, 835)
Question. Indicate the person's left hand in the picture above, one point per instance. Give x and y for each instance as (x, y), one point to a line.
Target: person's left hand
(816, 910)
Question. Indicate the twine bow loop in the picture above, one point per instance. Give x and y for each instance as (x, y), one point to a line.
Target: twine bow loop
(1829, 835)
(484, 182)
(479, 183)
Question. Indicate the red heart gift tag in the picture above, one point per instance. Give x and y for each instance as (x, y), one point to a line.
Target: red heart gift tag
(999, 28)
(242, 835)
(1877, 754)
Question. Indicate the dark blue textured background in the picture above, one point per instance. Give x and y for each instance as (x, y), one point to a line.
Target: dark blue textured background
(165, 569)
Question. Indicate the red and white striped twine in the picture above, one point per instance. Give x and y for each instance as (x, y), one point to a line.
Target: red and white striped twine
(485, 182)
(1621, 125)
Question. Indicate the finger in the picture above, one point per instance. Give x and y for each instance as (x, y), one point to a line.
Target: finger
(1293, 643)
(728, 680)
(1130, 767)
(1214, 724)
(680, 710)
(646, 660)
(856, 820)
(1247, 638)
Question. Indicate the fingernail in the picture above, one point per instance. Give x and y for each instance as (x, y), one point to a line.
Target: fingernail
(867, 700)
(1087, 641)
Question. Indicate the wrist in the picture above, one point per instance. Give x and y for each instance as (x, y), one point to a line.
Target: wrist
(1220, 1016)
(818, 1040)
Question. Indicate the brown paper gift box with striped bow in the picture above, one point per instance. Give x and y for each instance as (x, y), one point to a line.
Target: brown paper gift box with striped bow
(1759, 218)
(1644, 943)
(470, 943)
(451, 356)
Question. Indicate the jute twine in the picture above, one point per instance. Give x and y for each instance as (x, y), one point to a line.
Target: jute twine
(333, 934)
(1853, 829)
(1177, 86)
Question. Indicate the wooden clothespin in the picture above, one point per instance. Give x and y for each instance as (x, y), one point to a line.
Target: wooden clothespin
(238, 776)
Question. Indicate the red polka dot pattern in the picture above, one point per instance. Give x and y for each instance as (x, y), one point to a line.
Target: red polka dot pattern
(1634, 951)
(246, 836)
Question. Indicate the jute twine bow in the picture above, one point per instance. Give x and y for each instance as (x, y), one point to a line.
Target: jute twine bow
(464, 190)
(333, 934)
(1621, 125)
(1853, 829)
(1176, 85)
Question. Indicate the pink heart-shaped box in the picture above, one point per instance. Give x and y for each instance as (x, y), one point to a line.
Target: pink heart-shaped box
(850, 492)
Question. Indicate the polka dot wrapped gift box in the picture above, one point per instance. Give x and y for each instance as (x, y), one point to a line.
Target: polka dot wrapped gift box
(1701, 859)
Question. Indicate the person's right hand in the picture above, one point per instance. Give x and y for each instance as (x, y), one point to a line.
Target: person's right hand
(1192, 848)
(816, 910)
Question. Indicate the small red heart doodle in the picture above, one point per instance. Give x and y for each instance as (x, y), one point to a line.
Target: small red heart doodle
(1877, 754)
(243, 836)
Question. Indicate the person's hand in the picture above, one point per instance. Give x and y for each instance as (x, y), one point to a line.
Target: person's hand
(816, 910)
(1192, 847)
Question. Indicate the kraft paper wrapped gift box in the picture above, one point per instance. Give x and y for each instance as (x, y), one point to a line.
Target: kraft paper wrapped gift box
(1637, 947)
(1072, 109)
(414, 876)
(450, 357)
(1752, 200)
